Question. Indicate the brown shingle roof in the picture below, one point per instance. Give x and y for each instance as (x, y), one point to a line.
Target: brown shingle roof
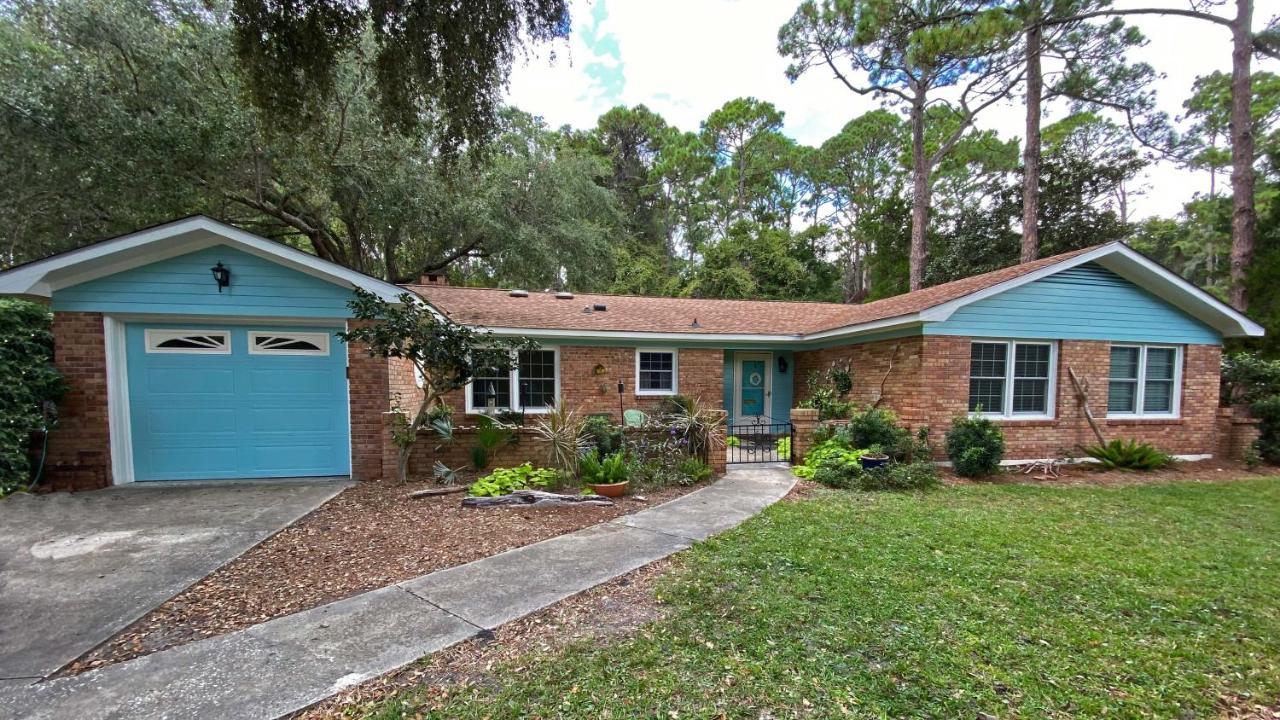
(633, 313)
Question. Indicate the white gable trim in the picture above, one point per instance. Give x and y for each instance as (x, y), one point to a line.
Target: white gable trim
(1136, 268)
(41, 278)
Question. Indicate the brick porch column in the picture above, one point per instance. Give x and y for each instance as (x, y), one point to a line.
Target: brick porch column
(803, 423)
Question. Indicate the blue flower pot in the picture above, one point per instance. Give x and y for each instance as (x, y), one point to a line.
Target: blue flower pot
(873, 461)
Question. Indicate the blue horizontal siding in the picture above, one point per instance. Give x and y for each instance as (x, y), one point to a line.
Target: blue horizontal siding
(1087, 302)
(184, 285)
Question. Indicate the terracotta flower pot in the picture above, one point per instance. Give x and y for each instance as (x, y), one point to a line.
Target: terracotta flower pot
(611, 490)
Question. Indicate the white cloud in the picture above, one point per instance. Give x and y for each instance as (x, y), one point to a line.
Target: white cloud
(685, 58)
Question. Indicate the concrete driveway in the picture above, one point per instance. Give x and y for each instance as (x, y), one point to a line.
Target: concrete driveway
(76, 569)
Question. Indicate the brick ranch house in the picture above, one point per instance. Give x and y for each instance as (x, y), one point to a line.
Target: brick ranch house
(195, 350)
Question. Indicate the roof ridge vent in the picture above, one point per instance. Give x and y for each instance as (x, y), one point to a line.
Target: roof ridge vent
(564, 295)
(519, 293)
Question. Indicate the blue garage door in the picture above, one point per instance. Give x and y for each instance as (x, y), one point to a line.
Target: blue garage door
(211, 401)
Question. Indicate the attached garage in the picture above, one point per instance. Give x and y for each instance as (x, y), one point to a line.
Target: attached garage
(237, 402)
(197, 351)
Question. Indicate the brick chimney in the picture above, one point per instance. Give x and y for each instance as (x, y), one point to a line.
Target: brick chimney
(433, 279)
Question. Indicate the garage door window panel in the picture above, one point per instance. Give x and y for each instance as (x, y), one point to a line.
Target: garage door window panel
(188, 342)
(268, 343)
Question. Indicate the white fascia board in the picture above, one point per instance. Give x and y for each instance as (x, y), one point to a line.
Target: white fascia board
(1137, 268)
(41, 278)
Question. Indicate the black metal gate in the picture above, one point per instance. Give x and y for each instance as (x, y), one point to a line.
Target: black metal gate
(759, 442)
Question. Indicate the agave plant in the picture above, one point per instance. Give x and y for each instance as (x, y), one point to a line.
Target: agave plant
(561, 429)
(1128, 455)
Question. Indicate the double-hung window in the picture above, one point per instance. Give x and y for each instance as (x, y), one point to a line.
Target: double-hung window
(528, 383)
(1143, 381)
(657, 372)
(1011, 379)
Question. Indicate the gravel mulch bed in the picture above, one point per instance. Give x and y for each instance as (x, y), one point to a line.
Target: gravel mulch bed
(367, 537)
(611, 610)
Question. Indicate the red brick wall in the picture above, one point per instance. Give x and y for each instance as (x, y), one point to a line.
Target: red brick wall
(888, 366)
(583, 390)
(80, 447)
(929, 386)
(701, 375)
(368, 384)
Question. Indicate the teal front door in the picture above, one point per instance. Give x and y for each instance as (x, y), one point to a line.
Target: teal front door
(214, 401)
(753, 388)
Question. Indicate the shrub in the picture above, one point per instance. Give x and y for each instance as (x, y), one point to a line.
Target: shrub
(874, 426)
(784, 447)
(834, 453)
(507, 480)
(606, 437)
(1249, 379)
(840, 477)
(610, 469)
(693, 470)
(975, 446)
(1128, 455)
(920, 475)
(733, 441)
(29, 380)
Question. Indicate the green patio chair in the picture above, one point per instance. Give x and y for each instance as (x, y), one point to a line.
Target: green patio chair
(634, 418)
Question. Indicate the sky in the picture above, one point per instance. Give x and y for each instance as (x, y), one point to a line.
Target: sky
(685, 58)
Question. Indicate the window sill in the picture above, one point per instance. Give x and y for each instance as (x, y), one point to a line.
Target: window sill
(1023, 422)
(1130, 421)
(656, 393)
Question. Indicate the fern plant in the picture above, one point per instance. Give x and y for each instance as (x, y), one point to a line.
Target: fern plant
(1128, 455)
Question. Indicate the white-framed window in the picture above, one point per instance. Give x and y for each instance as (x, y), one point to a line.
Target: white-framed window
(188, 341)
(263, 342)
(657, 371)
(1012, 378)
(532, 384)
(1144, 381)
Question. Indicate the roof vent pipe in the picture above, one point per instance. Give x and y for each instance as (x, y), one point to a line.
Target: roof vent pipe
(519, 293)
(562, 295)
(598, 307)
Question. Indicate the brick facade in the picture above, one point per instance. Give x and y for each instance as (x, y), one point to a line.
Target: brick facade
(80, 446)
(928, 386)
(589, 378)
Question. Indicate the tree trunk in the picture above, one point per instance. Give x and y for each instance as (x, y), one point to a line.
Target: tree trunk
(1243, 217)
(919, 195)
(1031, 152)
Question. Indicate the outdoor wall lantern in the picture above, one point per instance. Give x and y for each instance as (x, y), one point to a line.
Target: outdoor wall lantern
(782, 365)
(221, 275)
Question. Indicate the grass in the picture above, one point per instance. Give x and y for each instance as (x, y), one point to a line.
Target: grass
(1147, 601)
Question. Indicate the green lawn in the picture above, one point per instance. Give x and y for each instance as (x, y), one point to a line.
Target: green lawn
(1010, 600)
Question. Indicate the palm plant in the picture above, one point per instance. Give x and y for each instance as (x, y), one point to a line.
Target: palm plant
(561, 429)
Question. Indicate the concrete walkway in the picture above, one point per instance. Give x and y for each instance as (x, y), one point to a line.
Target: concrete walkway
(275, 668)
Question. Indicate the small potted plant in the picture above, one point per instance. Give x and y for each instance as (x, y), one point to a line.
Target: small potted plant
(605, 476)
(874, 457)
